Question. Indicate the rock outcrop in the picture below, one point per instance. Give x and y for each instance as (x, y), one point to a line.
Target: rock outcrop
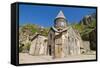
(89, 30)
(88, 19)
(93, 39)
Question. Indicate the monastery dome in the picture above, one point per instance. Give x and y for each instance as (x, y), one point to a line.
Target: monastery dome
(60, 20)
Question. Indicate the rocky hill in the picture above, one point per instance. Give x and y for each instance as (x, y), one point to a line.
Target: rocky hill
(89, 24)
(87, 29)
(88, 19)
(31, 29)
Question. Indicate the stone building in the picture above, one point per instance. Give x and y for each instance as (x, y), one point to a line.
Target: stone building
(38, 45)
(63, 40)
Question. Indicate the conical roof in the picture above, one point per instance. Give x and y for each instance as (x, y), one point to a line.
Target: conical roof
(60, 15)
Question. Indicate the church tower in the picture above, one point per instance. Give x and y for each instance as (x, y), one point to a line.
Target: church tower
(63, 40)
(55, 36)
(60, 21)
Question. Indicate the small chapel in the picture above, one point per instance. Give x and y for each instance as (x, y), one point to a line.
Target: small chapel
(38, 45)
(63, 40)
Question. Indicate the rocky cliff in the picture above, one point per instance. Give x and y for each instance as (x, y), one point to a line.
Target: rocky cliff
(87, 29)
(88, 19)
(93, 39)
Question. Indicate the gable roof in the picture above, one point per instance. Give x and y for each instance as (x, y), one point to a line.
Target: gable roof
(35, 36)
(38, 35)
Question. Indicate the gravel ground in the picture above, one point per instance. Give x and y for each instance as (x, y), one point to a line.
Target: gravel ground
(26, 58)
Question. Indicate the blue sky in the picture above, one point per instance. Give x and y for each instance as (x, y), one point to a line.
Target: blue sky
(45, 15)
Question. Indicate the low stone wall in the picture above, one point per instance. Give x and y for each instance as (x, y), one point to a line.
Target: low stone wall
(86, 45)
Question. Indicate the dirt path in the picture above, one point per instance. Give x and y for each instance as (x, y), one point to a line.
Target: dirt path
(26, 58)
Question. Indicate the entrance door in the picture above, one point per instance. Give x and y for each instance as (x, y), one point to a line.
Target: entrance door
(49, 49)
(58, 51)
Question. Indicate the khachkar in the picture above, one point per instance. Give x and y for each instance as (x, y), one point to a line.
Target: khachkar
(63, 40)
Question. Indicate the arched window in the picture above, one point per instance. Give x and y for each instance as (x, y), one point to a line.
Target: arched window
(51, 36)
(62, 24)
